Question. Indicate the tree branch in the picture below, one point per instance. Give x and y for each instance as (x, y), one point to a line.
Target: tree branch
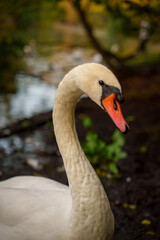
(109, 58)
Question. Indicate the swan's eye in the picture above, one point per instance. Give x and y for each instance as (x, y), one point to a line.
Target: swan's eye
(101, 82)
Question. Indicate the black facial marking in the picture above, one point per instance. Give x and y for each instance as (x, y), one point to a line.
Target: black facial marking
(108, 90)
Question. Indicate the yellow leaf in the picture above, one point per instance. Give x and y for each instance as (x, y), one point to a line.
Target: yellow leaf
(146, 222)
(132, 206)
(150, 233)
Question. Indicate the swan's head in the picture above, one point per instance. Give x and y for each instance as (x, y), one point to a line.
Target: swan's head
(100, 84)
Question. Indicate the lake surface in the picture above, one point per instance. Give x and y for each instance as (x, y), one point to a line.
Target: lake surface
(32, 96)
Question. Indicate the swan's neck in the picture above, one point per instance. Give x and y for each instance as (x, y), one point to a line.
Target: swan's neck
(90, 212)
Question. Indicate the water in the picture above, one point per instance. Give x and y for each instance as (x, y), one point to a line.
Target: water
(32, 96)
(18, 152)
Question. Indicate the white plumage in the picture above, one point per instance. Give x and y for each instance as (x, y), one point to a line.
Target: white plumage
(37, 208)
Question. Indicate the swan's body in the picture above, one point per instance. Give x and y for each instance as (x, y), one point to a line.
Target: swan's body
(36, 208)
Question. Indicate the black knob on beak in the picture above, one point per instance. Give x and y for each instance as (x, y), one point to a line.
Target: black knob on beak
(120, 98)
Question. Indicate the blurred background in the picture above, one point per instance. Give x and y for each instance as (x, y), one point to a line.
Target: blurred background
(40, 41)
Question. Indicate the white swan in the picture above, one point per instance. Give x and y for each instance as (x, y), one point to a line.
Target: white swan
(37, 208)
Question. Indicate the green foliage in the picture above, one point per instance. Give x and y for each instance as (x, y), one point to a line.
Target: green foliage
(86, 121)
(131, 13)
(102, 156)
(17, 17)
(124, 17)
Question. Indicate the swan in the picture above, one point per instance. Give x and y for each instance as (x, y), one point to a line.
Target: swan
(38, 208)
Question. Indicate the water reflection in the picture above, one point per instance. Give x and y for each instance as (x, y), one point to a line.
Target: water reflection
(32, 96)
(28, 149)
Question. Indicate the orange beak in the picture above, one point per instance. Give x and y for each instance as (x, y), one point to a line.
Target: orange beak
(112, 106)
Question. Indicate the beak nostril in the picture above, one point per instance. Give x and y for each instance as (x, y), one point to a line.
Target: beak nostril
(115, 105)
